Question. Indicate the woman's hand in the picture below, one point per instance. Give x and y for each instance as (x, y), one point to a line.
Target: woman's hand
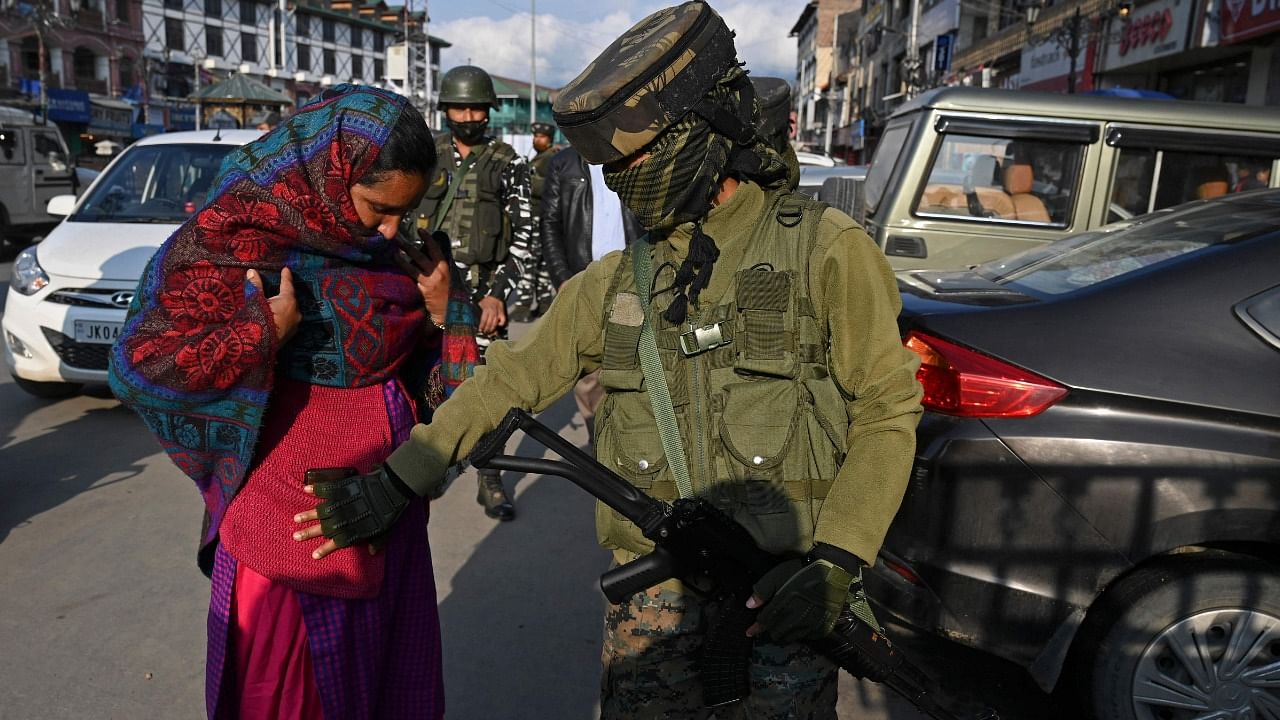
(431, 272)
(284, 305)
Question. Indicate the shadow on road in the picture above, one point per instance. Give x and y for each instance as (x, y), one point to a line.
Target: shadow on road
(521, 621)
(45, 470)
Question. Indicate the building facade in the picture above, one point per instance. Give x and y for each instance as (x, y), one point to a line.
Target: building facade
(1209, 50)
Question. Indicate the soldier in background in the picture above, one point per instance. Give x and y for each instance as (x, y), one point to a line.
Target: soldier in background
(535, 290)
(480, 196)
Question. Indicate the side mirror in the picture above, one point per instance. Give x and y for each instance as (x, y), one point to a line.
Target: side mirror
(61, 205)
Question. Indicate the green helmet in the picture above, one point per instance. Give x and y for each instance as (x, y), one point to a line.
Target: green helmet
(467, 85)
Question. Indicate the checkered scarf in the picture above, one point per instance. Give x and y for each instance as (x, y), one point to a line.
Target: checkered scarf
(682, 175)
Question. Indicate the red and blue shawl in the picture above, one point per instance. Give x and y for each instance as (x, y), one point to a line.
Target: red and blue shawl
(198, 353)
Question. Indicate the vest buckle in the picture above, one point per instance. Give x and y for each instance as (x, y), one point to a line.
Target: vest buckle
(699, 340)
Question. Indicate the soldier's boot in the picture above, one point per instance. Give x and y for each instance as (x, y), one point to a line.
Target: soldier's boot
(493, 497)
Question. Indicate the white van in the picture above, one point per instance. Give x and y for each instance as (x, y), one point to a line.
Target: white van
(36, 168)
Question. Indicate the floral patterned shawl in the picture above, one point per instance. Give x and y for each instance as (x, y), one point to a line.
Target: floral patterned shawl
(198, 352)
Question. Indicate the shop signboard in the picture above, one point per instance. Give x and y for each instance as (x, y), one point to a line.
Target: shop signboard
(1245, 19)
(1045, 67)
(1152, 31)
(182, 117)
(69, 106)
(942, 53)
(111, 117)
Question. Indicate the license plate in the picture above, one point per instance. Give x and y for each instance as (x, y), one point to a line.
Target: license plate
(97, 333)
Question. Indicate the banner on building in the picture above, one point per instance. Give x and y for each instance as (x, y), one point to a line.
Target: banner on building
(1245, 19)
(1152, 31)
(69, 106)
(942, 53)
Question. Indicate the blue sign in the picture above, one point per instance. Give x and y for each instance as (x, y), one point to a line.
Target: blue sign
(942, 53)
(182, 117)
(69, 106)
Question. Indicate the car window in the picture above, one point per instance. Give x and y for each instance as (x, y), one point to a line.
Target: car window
(887, 156)
(155, 183)
(11, 152)
(1090, 258)
(46, 149)
(986, 179)
(1148, 179)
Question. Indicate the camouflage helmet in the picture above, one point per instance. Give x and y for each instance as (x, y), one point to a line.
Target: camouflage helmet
(645, 81)
(467, 85)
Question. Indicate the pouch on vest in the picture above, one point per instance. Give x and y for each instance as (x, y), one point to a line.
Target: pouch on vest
(620, 365)
(764, 347)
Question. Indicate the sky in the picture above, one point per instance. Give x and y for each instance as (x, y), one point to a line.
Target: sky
(495, 34)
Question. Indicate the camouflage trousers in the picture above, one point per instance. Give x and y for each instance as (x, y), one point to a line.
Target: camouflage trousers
(651, 647)
(534, 290)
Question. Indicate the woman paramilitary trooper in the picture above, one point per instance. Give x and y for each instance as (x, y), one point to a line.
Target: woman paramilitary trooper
(774, 323)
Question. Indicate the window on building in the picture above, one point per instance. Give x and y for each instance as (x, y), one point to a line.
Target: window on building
(357, 37)
(378, 70)
(248, 47)
(122, 11)
(173, 4)
(990, 179)
(173, 34)
(378, 42)
(304, 25)
(357, 67)
(330, 63)
(213, 41)
(304, 57)
(213, 8)
(328, 30)
(248, 13)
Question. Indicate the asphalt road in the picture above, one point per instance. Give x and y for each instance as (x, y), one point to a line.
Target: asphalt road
(102, 613)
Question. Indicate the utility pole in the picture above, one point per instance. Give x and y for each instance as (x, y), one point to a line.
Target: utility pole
(912, 62)
(533, 63)
(1073, 49)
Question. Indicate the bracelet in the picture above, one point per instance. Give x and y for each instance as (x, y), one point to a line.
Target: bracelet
(440, 326)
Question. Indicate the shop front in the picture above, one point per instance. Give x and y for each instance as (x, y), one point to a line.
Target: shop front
(110, 128)
(70, 110)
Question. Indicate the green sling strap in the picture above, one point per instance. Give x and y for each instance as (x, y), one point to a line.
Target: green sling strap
(447, 202)
(654, 376)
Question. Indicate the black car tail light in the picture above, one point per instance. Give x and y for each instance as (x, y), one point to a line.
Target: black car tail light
(963, 382)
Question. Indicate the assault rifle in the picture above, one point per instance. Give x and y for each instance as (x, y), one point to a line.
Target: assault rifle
(711, 553)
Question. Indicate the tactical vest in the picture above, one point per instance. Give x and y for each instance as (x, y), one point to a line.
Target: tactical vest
(477, 221)
(763, 423)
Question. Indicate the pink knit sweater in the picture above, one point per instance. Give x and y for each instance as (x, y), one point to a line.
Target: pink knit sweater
(307, 426)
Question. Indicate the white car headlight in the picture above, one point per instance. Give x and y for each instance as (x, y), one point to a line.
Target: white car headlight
(28, 277)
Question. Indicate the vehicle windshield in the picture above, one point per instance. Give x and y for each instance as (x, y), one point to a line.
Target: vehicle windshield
(886, 158)
(1090, 258)
(155, 184)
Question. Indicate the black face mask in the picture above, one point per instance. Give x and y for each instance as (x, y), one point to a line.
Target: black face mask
(469, 133)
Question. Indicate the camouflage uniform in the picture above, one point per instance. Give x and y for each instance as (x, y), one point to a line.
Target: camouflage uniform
(650, 669)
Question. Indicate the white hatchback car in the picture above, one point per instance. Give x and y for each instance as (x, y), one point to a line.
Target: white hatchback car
(68, 293)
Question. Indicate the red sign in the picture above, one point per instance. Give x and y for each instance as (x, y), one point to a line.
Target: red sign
(1146, 30)
(1243, 19)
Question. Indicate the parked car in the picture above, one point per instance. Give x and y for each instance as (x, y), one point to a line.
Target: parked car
(1096, 485)
(815, 159)
(965, 175)
(68, 293)
(813, 178)
(35, 165)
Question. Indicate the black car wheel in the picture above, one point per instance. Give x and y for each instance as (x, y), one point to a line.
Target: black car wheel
(1198, 638)
(47, 390)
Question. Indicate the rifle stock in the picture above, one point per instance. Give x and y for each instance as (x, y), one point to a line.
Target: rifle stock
(711, 553)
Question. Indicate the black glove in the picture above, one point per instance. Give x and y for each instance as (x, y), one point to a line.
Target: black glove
(804, 598)
(357, 508)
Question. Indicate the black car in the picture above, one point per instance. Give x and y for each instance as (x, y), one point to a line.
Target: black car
(1096, 491)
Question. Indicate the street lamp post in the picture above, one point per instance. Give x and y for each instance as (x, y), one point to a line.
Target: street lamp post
(1066, 36)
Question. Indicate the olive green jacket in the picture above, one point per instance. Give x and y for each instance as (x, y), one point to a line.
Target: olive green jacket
(856, 299)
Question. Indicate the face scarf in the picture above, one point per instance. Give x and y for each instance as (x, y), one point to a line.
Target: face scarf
(198, 353)
(469, 133)
(682, 175)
